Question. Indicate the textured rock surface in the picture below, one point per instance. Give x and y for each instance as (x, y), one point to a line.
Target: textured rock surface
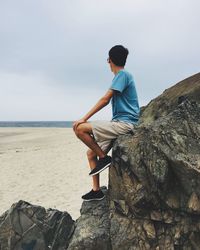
(92, 227)
(153, 199)
(28, 227)
(167, 101)
(154, 184)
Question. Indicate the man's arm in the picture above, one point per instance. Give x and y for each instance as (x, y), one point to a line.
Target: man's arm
(103, 101)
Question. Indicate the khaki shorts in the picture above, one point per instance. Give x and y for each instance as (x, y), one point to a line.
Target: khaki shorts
(105, 132)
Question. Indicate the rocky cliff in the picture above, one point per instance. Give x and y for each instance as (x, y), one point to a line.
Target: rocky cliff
(153, 196)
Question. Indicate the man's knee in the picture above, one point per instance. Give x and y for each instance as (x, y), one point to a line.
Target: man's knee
(91, 154)
(79, 130)
(83, 128)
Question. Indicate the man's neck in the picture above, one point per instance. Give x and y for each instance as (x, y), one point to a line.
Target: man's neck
(117, 69)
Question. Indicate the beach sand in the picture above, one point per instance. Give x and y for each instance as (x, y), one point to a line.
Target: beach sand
(46, 167)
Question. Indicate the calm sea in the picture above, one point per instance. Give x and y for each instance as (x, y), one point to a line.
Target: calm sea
(57, 124)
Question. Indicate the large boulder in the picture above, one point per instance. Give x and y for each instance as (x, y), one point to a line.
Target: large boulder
(154, 184)
(28, 227)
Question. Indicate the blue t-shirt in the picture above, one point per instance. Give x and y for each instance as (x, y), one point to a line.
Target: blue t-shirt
(125, 106)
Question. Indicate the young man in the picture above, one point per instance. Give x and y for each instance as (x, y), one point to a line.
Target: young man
(100, 135)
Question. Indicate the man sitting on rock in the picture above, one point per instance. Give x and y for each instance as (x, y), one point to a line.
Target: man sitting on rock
(100, 135)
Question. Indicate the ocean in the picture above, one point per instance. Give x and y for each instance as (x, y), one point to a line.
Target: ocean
(57, 124)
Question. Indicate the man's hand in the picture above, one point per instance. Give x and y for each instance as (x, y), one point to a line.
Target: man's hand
(76, 123)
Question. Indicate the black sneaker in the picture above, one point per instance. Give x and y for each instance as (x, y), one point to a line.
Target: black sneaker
(93, 195)
(102, 164)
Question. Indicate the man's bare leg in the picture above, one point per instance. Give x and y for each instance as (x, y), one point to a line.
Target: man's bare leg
(92, 158)
(83, 132)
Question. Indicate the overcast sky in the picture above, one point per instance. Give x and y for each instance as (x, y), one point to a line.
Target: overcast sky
(53, 53)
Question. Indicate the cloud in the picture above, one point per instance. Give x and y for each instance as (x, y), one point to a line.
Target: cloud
(60, 48)
(31, 96)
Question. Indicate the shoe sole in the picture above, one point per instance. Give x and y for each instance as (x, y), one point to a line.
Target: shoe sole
(96, 199)
(100, 170)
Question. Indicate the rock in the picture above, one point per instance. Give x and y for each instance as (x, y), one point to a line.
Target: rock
(127, 233)
(159, 179)
(92, 227)
(28, 227)
(163, 168)
(168, 100)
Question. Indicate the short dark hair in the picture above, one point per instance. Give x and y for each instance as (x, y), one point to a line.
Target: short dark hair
(118, 55)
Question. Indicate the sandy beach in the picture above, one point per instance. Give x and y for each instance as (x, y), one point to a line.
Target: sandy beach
(44, 166)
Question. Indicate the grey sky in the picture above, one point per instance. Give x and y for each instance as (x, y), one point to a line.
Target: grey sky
(53, 53)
